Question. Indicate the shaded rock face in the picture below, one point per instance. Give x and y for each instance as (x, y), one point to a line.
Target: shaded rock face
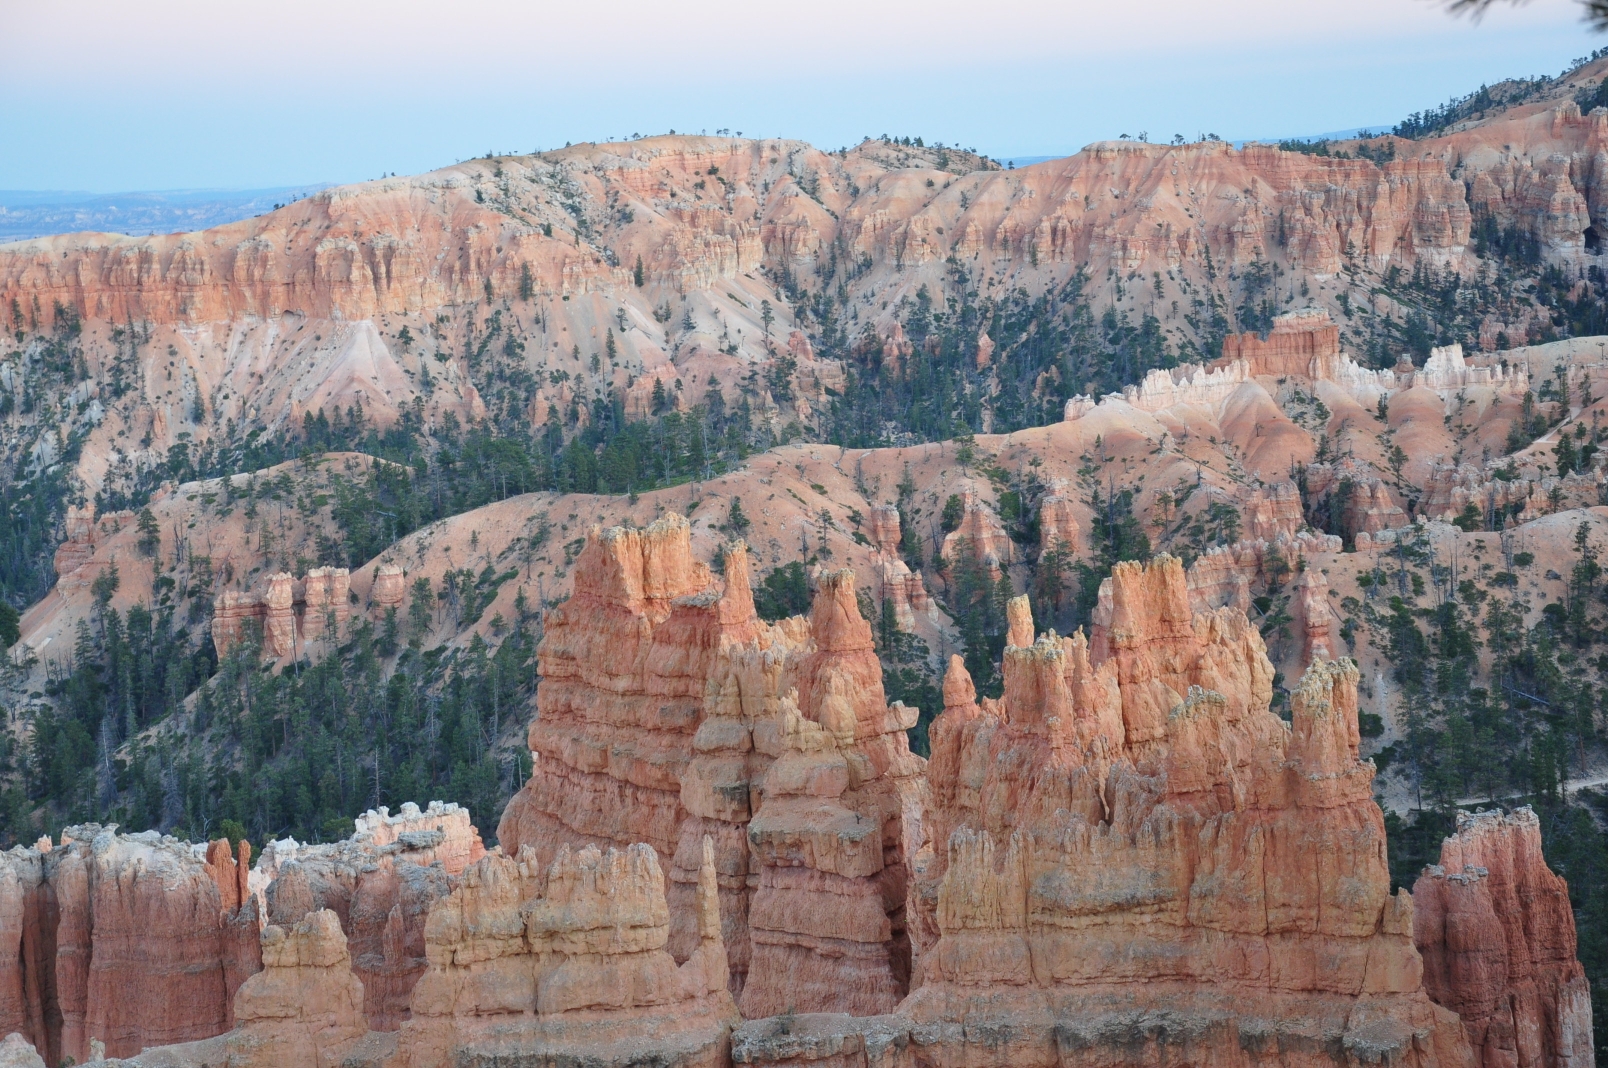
(1498, 940)
(1132, 852)
(125, 940)
(305, 1007)
(380, 885)
(839, 813)
(569, 965)
(669, 713)
(1353, 495)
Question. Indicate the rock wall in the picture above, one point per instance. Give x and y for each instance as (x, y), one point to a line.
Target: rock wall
(570, 966)
(839, 814)
(1305, 343)
(380, 884)
(1351, 495)
(980, 528)
(1522, 489)
(1273, 510)
(1058, 521)
(1136, 861)
(669, 713)
(127, 940)
(1497, 936)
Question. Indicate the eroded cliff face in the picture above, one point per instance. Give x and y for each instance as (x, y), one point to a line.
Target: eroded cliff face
(380, 885)
(305, 1007)
(1131, 851)
(1497, 936)
(670, 714)
(570, 964)
(125, 940)
(380, 297)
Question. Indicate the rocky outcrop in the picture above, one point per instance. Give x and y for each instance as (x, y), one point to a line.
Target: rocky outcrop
(1058, 521)
(907, 591)
(17, 1052)
(631, 663)
(124, 940)
(78, 546)
(980, 532)
(625, 662)
(1131, 851)
(893, 580)
(323, 596)
(380, 885)
(1497, 936)
(1305, 343)
(1352, 496)
(1273, 510)
(1320, 630)
(775, 743)
(305, 1007)
(1502, 488)
(390, 583)
(1446, 371)
(884, 528)
(1225, 575)
(833, 832)
(569, 966)
(325, 604)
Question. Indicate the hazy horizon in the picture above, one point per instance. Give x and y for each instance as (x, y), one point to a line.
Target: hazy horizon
(180, 95)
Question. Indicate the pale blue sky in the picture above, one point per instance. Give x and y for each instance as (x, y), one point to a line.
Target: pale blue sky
(107, 95)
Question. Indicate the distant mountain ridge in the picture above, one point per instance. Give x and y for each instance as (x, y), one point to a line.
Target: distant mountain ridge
(36, 213)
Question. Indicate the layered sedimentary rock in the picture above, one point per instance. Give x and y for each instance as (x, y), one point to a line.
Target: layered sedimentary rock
(833, 832)
(325, 605)
(305, 1007)
(980, 532)
(125, 940)
(625, 663)
(1352, 495)
(380, 885)
(1132, 855)
(79, 544)
(884, 528)
(1058, 522)
(1502, 488)
(1320, 630)
(892, 578)
(323, 596)
(387, 590)
(1497, 936)
(239, 942)
(1274, 510)
(1304, 343)
(670, 713)
(569, 965)
(1224, 574)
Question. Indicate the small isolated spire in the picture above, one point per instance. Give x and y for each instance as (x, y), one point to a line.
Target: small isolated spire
(958, 688)
(708, 894)
(1019, 617)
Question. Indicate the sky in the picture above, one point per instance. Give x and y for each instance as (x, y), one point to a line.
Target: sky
(112, 96)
